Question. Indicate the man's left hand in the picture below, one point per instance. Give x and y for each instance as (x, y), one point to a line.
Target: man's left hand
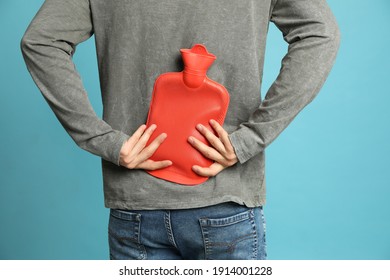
(221, 150)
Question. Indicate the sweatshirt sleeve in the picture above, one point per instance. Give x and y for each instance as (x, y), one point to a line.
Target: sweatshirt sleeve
(48, 46)
(313, 38)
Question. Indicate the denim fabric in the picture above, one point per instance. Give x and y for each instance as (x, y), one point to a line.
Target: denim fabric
(223, 231)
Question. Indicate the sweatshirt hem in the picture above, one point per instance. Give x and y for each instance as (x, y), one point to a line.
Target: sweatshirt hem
(153, 205)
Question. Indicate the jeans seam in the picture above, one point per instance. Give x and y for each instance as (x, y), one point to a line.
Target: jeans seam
(206, 246)
(255, 235)
(168, 228)
(264, 232)
(141, 247)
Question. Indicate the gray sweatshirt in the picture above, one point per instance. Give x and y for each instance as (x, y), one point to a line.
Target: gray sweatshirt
(136, 41)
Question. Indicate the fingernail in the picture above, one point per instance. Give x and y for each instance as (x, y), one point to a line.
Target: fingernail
(191, 139)
(199, 126)
(153, 126)
(212, 121)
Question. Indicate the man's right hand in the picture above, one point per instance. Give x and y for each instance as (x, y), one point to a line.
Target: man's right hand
(134, 154)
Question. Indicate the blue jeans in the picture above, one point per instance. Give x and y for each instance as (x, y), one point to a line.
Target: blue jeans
(223, 231)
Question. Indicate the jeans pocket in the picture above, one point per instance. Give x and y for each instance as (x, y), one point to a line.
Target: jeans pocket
(124, 235)
(232, 237)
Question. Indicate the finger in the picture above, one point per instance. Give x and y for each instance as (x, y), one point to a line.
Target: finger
(134, 138)
(210, 171)
(213, 140)
(154, 165)
(147, 152)
(141, 143)
(223, 135)
(205, 150)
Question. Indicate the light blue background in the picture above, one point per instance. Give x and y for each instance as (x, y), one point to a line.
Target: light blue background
(328, 174)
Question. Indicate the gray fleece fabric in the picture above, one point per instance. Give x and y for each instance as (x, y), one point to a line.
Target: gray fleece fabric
(137, 40)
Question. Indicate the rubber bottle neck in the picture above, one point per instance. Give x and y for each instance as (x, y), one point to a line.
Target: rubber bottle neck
(193, 78)
(197, 61)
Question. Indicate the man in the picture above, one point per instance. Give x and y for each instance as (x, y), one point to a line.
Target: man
(136, 41)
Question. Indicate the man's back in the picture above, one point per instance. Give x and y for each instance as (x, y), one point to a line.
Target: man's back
(136, 41)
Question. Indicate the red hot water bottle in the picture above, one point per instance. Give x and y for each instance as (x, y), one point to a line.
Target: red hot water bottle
(180, 101)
